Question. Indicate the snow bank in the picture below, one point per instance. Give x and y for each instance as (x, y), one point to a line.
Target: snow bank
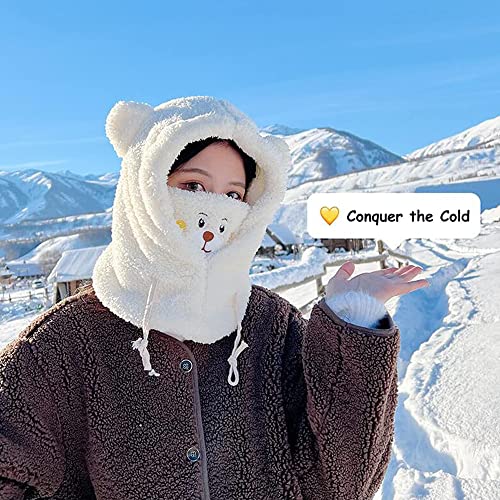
(311, 264)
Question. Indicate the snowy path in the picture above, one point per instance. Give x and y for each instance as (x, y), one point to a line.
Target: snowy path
(447, 440)
(447, 443)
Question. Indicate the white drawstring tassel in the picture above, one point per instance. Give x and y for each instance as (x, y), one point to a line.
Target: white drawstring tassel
(237, 350)
(141, 344)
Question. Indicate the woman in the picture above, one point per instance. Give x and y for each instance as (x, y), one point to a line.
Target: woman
(123, 391)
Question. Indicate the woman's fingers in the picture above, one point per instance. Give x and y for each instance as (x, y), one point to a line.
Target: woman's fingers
(410, 273)
(412, 285)
(387, 270)
(345, 271)
(404, 269)
(407, 272)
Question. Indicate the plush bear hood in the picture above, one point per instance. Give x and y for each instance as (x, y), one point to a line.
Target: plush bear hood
(147, 275)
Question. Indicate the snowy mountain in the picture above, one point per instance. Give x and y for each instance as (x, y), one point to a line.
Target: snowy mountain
(317, 154)
(278, 129)
(486, 134)
(323, 153)
(19, 239)
(324, 160)
(475, 168)
(34, 194)
(108, 178)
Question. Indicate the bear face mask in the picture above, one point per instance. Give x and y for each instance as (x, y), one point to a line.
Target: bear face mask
(179, 260)
(207, 221)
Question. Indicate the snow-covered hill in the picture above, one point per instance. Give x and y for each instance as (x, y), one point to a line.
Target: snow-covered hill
(324, 160)
(487, 133)
(322, 153)
(475, 169)
(278, 129)
(45, 228)
(34, 194)
(51, 250)
(318, 154)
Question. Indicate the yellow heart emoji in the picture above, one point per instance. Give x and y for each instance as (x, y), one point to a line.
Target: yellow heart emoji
(329, 214)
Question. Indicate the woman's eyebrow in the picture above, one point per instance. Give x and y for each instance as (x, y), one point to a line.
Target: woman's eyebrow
(195, 169)
(205, 173)
(238, 184)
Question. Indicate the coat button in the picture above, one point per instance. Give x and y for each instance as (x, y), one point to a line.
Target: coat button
(186, 365)
(193, 454)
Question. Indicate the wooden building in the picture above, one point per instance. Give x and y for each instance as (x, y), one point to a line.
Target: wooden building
(347, 244)
(278, 236)
(73, 269)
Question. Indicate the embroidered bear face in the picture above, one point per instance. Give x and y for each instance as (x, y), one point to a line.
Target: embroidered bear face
(208, 221)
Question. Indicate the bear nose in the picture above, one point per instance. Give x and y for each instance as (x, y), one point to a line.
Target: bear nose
(208, 236)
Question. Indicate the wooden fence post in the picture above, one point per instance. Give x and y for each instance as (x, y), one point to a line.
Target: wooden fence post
(319, 286)
(380, 247)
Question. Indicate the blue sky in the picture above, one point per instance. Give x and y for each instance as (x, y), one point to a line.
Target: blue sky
(402, 75)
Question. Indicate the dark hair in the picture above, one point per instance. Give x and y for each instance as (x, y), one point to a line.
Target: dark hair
(193, 148)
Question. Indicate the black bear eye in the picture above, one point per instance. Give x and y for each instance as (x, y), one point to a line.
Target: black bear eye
(221, 228)
(201, 222)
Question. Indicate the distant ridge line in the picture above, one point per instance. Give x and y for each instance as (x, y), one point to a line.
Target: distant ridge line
(479, 145)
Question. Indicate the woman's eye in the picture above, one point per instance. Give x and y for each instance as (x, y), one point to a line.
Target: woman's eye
(237, 197)
(201, 222)
(221, 228)
(192, 186)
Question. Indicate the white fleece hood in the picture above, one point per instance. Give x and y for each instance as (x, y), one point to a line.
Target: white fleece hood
(154, 273)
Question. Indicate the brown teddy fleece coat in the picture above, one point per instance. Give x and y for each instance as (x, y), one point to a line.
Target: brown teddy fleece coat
(312, 416)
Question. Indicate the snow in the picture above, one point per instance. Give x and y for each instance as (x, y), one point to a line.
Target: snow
(311, 264)
(447, 441)
(18, 313)
(491, 215)
(447, 426)
(283, 234)
(278, 129)
(53, 248)
(324, 160)
(76, 264)
(24, 269)
(487, 190)
(322, 153)
(476, 171)
(11, 329)
(35, 194)
(486, 133)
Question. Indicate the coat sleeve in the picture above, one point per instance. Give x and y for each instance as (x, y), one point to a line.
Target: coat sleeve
(31, 449)
(358, 308)
(340, 395)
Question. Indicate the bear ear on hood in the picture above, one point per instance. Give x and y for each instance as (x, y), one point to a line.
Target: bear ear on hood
(280, 145)
(124, 122)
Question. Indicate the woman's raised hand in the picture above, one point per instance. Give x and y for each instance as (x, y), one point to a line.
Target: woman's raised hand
(382, 284)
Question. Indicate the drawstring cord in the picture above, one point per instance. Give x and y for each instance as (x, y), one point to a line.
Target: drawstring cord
(237, 350)
(141, 344)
